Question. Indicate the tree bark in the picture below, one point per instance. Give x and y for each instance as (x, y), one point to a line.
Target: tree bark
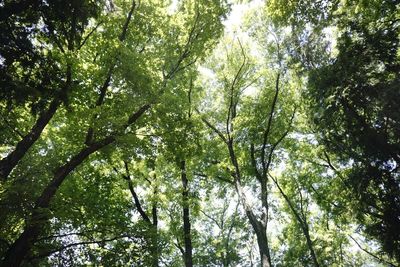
(8, 163)
(258, 227)
(188, 257)
(21, 247)
(262, 241)
(154, 226)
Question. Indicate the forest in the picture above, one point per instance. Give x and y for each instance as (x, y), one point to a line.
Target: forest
(200, 133)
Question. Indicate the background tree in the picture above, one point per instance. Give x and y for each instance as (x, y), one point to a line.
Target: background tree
(354, 104)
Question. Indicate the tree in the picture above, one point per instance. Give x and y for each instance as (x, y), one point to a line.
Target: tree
(352, 84)
(184, 54)
(354, 103)
(250, 140)
(32, 70)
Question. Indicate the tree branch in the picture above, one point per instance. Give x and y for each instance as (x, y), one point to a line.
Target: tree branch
(268, 129)
(372, 254)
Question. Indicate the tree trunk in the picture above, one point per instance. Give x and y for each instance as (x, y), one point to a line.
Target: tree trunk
(258, 227)
(310, 245)
(8, 163)
(155, 248)
(21, 247)
(186, 217)
(262, 239)
(262, 242)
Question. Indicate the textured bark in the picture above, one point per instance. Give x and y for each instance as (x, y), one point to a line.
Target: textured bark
(188, 257)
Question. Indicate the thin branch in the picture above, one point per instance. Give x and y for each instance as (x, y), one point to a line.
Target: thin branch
(13, 129)
(138, 205)
(185, 53)
(88, 35)
(122, 37)
(291, 205)
(254, 162)
(212, 219)
(232, 105)
(218, 177)
(48, 253)
(275, 145)
(212, 127)
(268, 129)
(372, 254)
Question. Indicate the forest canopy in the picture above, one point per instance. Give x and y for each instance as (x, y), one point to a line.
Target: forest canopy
(199, 133)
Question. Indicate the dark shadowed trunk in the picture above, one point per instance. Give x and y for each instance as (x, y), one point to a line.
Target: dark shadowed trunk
(21, 247)
(154, 246)
(188, 257)
(8, 163)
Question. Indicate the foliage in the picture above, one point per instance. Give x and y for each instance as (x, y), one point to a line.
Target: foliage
(168, 133)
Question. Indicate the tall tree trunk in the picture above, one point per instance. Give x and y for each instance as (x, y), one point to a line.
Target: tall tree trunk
(188, 257)
(258, 226)
(20, 248)
(8, 163)
(155, 247)
(262, 241)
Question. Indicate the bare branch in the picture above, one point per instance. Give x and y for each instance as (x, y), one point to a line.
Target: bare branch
(275, 145)
(88, 35)
(372, 254)
(268, 129)
(213, 128)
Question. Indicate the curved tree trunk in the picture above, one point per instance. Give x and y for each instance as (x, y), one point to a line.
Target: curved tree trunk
(8, 163)
(21, 247)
